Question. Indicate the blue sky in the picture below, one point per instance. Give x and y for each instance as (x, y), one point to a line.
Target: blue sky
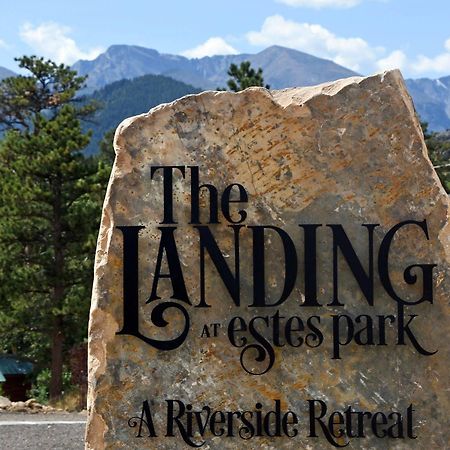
(364, 35)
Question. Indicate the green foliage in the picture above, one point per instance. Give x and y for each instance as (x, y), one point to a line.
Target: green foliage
(41, 387)
(245, 76)
(438, 144)
(47, 89)
(50, 203)
(106, 147)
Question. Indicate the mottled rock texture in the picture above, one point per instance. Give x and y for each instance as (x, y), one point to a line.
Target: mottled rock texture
(349, 152)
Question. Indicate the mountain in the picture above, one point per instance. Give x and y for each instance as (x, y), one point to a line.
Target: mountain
(5, 73)
(282, 67)
(432, 101)
(126, 98)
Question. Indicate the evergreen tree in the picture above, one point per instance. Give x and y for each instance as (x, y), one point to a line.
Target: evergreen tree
(106, 149)
(50, 203)
(245, 76)
(438, 145)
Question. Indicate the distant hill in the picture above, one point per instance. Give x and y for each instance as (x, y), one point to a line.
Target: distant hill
(432, 101)
(282, 67)
(126, 98)
(5, 73)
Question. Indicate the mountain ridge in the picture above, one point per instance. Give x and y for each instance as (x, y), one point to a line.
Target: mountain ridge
(282, 67)
(5, 73)
(432, 100)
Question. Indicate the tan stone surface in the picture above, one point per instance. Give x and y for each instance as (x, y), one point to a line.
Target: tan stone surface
(349, 152)
(4, 402)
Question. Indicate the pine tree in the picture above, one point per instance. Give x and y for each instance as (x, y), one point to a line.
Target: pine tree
(438, 145)
(245, 76)
(50, 203)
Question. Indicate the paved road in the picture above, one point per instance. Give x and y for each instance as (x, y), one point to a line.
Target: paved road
(51, 431)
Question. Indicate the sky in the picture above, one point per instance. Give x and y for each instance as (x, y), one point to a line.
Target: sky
(367, 36)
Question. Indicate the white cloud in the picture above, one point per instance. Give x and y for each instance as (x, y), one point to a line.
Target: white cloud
(447, 45)
(51, 40)
(419, 65)
(439, 64)
(321, 3)
(395, 60)
(213, 46)
(3, 44)
(354, 52)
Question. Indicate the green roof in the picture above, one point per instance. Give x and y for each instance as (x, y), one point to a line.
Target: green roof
(14, 365)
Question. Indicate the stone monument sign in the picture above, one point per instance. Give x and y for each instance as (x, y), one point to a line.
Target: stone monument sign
(272, 271)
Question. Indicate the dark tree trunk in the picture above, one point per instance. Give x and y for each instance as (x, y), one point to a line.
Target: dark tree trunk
(56, 380)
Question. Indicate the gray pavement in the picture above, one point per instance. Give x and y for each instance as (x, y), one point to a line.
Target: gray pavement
(50, 431)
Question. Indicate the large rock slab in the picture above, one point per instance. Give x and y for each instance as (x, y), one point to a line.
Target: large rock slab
(356, 266)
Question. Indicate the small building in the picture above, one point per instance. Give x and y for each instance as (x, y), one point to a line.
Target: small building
(14, 376)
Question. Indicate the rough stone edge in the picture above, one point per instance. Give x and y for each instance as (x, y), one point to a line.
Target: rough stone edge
(98, 319)
(288, 98)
